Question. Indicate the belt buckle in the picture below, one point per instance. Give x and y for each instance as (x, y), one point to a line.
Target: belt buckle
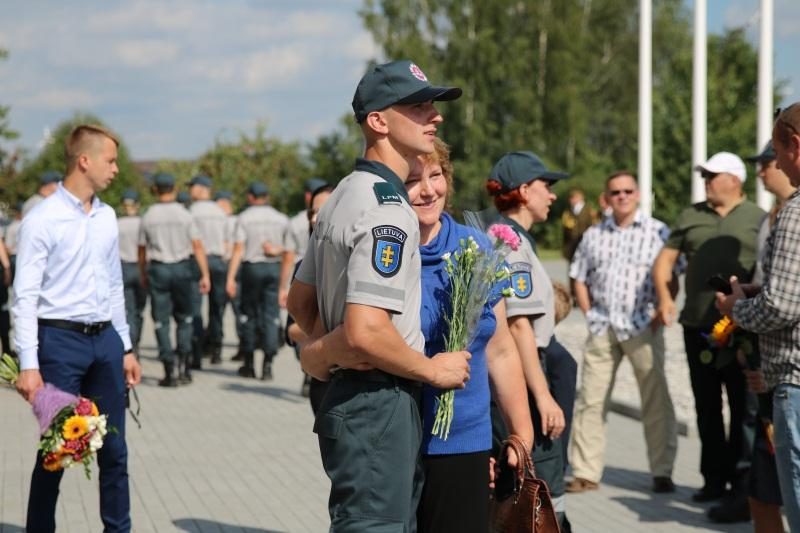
(91, 329)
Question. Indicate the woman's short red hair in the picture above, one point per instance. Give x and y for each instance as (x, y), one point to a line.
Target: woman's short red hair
(504, 201)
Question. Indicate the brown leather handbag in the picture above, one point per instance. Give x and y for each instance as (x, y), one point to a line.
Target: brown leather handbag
(527, 506)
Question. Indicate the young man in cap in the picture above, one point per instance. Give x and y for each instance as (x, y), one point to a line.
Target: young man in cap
(167, 239)
(135, 294)
(48, 183)
(359, 283)
(70, 318)
(266, 255)
(211, 222)
(717, 236)
(773, 312)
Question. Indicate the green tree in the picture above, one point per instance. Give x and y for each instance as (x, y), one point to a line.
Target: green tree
(561, 78)
(332, 155)
(8, 160)
(52, 157)
(235, 164)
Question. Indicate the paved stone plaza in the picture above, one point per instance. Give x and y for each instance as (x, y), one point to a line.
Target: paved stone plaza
(232, 455)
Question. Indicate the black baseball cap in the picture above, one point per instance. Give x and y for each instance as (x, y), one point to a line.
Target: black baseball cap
(258, 189)
(223, 195)
(130, 195)
(201, 179)
(162, 179)
(51, 176)
(398, 82)
(518, 168)
(767, 154)
(312, 184)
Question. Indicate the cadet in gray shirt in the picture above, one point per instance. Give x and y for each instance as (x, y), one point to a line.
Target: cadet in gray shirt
(167, 239)
(211, 222)
(359, 286)
(48, 183)
(299, 227)
(223, 200)
(266, 255)
(135, 294)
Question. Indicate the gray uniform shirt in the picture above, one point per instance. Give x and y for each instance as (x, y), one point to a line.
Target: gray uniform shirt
(365, 250)
(532, 292)
(129, 228)
(230, 236)
(30, 203)
(298, 233)
(211, 222)
(10, 237)
(168, 231)
(259, 224)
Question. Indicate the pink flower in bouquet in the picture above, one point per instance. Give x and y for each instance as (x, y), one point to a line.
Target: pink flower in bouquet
(505, 234)
(84, 407)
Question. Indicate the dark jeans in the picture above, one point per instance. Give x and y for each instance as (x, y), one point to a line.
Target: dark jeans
(91, 367)
(170, 296)
(561, 371)
(260, 309)
(135, 299)
(720, 456)
(5, 317)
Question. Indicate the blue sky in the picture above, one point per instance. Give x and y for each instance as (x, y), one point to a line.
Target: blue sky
(172, 76)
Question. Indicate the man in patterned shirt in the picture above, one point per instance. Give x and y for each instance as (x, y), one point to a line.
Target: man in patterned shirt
(773, 311)
(611, 271)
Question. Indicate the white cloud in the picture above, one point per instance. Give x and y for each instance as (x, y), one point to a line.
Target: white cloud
(255, 71)
(146, 52)
(57, 99)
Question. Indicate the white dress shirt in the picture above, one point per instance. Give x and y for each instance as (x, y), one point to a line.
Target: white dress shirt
(68, 268)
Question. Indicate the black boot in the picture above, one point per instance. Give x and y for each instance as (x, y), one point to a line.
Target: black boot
(266, 369)
(197, 354)
(169, 376)
(247, 370)
(216, 354)
(185, 373)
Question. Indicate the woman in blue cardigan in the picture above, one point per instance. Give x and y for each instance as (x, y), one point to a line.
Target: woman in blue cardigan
(456, 492)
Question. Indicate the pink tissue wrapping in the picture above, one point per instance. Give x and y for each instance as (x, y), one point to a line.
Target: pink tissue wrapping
(48, 402)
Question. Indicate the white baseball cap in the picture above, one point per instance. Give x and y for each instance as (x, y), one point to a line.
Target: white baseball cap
(725, 162)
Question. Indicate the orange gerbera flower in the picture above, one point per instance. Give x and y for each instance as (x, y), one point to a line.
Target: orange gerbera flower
(75, 427)
(95, 412)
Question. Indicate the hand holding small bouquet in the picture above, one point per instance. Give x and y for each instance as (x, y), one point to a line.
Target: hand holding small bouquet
(730, 342)
(473, 272)
(71, 428)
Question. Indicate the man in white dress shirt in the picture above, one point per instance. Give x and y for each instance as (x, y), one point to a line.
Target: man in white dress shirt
(69, 314)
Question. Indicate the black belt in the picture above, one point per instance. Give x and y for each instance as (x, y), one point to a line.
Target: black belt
(91, 329)
(375, 375)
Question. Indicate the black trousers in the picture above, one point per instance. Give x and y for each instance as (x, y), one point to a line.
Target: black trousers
(456, 494)
(720, 455)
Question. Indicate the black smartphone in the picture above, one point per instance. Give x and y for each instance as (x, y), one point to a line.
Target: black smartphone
(505, 484)
(720, 284)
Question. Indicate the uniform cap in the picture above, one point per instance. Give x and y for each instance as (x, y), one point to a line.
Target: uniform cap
(724, 162)
(163, 179)
(223, 195)
(201, 179)
(312, 184)
(129, 195)
(183, 197)
(51, 176)
(518, 168)
(257, 189)
(398, 82)
(766, 155)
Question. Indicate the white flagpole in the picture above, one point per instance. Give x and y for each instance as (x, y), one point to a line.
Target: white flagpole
(646, 105)
(765, 109)
(699, 99)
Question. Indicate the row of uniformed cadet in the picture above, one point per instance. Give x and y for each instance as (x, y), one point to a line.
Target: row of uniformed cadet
(180, 254)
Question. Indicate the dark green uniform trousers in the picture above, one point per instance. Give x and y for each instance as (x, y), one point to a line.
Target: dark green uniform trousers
(370, 434)
(260, 310)
(170, 295)
(217, 298)
(135, 299)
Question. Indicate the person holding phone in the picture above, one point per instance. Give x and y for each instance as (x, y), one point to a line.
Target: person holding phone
(716, 236)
